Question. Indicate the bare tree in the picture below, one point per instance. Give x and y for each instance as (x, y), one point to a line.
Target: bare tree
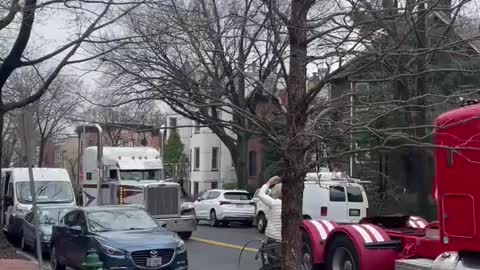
(205, 59)
(196, 58)
(18, 18)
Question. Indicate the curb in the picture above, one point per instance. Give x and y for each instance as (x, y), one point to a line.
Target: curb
(221, 244)
(28, 256)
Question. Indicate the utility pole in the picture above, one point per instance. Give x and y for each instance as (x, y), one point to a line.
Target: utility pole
(162, 144)
(27, 129)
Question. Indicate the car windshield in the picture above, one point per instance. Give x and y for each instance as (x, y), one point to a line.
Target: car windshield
(139, 175)
(120, 220)
(241, 196)
(46, 192)
(51, 216)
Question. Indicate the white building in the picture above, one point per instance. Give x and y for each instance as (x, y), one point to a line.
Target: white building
(210, 160)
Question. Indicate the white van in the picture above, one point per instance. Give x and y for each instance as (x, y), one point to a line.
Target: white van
(327, 195)
(52, 186)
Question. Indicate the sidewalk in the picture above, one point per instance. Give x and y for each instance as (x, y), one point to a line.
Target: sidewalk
(11, 264)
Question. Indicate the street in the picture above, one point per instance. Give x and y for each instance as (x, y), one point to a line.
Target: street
(219, 248)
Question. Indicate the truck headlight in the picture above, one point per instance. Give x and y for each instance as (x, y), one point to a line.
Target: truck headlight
(20, 210)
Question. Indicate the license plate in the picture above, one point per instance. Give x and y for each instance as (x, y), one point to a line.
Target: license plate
(152, 262)
(354, 212)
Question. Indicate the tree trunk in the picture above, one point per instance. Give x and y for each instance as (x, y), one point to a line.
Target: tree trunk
(240, 161)
(41, 152)
(293, 184)
(4, 244)
(420, 156)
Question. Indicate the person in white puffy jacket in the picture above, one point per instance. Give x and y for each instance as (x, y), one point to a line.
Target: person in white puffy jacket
(273, 232)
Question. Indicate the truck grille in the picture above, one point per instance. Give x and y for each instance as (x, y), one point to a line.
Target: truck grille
(162, 200)
(140, 257)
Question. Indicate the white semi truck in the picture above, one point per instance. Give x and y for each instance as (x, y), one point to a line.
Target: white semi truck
(133, 175)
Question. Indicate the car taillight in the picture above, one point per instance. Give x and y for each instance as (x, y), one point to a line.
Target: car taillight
(323, 211)
(222, 203)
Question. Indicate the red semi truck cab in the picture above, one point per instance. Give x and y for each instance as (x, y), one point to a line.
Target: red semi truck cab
(406, 242)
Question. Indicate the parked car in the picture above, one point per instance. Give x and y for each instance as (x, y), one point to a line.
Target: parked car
(261, 210)
(47, 217)
(326, 195)
(125, 238)
(224, 206)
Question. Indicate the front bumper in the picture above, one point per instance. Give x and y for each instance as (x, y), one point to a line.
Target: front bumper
(179, 262)
(179, 224)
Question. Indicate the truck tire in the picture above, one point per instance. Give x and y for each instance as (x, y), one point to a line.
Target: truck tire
(261, 222)
(341, 254)
(185, 235)
(213, 219)
(307, 254)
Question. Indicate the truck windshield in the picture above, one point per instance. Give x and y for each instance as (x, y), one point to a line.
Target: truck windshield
(46, 192)
(139, 175)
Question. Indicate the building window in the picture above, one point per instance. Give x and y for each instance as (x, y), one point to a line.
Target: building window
(197, 127)
(214, 158)
(196, 159)
(252, 163)
(214, 185)
(195, 189)
(173, 124)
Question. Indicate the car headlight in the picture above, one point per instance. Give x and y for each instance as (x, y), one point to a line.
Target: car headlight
(180, 246)
(112, 251)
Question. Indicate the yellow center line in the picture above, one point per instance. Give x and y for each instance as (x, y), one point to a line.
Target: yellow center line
(221, 244)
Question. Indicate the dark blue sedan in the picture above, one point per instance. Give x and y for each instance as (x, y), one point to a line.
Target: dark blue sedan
(125, 238)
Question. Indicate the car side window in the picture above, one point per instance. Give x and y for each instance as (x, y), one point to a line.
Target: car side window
(205, 195)
(213, 195)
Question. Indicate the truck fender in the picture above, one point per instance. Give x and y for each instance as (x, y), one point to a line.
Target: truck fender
(316, 232)
(372, 244)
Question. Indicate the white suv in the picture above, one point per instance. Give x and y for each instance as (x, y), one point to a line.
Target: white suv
(222, 206)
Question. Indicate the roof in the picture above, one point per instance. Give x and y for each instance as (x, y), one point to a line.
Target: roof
(39, 174)
(229, 190)
(458, 115)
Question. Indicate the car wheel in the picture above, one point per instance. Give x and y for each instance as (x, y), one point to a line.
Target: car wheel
(341, 255)
(261, 223)
(185, 235)
(54, 263)
(213, 219)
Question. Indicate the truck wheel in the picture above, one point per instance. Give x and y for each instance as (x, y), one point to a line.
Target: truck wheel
(185, 235)
(341, 254)
(213, 219)
(307, 255)
(261, 222)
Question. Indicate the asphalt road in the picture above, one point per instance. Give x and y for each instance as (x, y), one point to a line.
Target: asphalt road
(219, 248)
